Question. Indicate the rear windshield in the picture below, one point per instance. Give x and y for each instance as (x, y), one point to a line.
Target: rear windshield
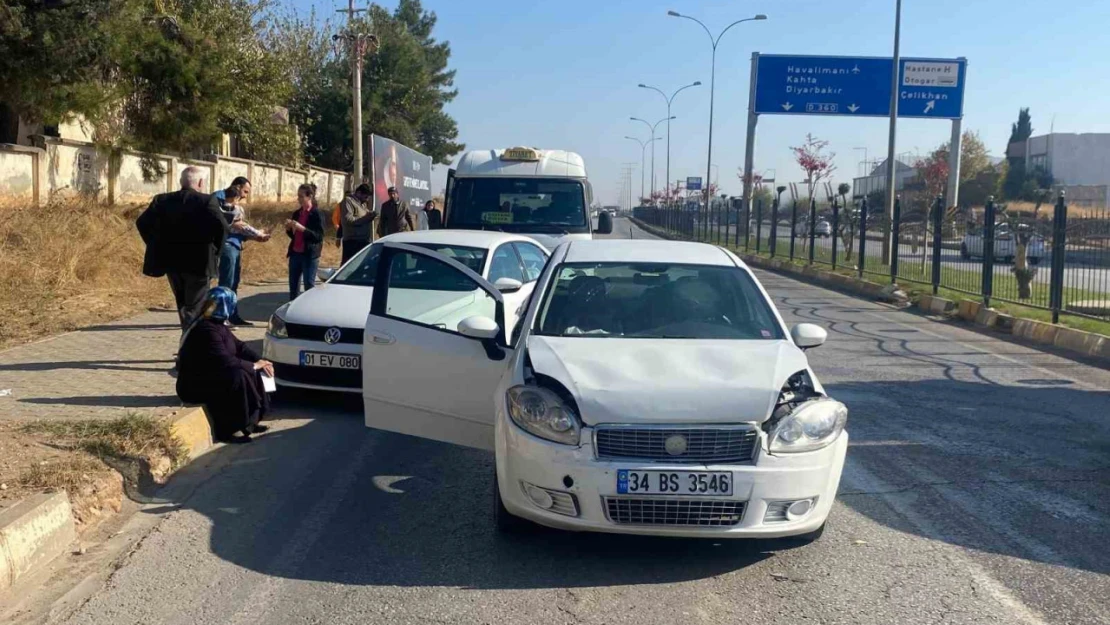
(363, 267)
(518, 205)
(670, 301)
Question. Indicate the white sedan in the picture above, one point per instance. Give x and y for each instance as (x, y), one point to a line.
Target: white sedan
(1005, 246)
(650, 387)
(316, 340)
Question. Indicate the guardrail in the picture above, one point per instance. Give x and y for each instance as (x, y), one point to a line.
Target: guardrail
(1056, 259)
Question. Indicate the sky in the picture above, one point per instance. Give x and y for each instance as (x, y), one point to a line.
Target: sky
(564, 75)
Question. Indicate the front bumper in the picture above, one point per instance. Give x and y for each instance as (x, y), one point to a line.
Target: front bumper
(286, 356)
(523, 458)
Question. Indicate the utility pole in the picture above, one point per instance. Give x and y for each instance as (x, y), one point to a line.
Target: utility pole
(891, 161)
(356, 48)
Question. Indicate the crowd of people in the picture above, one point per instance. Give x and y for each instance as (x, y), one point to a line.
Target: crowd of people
(193, 238)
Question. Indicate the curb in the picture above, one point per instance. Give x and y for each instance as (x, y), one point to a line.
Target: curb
(41, 527)
(32, 533)
(1076, 341)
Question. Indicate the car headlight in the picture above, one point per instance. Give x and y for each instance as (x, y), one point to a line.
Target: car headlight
(277, 327)
(812, 425)
(543, 413)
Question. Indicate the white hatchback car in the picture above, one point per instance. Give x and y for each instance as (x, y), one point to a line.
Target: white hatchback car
(650, 387)
(315, 341)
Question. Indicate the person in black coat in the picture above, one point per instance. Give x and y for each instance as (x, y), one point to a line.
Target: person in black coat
(306, 239)
(184, 232)
(222, 373)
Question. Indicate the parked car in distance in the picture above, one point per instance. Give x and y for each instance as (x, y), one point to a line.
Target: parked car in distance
(822, 229)
(1005, 245)
(315, 341)
(650, 388)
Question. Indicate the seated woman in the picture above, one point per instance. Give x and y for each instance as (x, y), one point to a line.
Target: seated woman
(219, 371)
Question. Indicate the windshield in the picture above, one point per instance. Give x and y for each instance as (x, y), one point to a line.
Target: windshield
(659, 300)
(518, 205)
(363, 267)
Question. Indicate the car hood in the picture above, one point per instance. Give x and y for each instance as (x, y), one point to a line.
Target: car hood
(552, 241)
(668, 380)
(340, 305)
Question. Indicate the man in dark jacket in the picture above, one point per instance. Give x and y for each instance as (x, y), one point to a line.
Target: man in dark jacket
(184, 232)
(395, 216)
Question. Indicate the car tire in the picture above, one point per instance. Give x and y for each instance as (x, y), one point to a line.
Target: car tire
(963, 252)
(1034, 260)
(506, 522)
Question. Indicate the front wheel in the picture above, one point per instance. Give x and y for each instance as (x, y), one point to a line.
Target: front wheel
(963, 251)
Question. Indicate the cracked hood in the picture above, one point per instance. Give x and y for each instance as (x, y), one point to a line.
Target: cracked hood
(668, 380)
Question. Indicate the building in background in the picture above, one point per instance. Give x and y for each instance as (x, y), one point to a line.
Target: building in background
(876, 180)
(1079, 163)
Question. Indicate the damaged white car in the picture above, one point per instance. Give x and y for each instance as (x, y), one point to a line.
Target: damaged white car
(650, 388)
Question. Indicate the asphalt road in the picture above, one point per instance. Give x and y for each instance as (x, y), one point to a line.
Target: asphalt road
(977, 491)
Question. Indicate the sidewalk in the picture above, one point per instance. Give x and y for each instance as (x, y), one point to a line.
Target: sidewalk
(111, 370)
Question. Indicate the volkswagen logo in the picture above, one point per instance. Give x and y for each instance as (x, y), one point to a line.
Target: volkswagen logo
(675, 444)
(331, 337)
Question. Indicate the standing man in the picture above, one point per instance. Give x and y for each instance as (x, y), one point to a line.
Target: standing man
(396, 216)
(357, 221)
(184, 232)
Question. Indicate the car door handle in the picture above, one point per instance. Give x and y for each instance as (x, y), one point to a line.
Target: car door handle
(381, 338)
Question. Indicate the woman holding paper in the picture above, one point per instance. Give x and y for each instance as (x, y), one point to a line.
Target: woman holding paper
(222, 373)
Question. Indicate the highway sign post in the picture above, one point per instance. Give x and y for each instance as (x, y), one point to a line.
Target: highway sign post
(856, 87)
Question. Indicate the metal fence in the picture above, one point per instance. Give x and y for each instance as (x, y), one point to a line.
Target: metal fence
(1045, 256)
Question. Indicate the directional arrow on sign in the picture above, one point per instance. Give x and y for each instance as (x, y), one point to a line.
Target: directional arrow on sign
(853, 108)
(787, 106)
(930, 105)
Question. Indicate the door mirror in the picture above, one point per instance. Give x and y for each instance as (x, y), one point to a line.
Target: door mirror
(508, 285)
(479, 327)
(325, 273)
(604, 223)
(807, 335)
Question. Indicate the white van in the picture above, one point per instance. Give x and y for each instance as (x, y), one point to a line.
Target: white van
(543, 194)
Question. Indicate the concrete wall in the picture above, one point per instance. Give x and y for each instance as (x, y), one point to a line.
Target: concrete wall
(1079, 159)
(17, 173)
(68, 168)
(266, 183)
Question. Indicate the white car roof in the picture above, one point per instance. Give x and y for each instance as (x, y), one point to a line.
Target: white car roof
(646, 251)
(467, 238)
(554, 163)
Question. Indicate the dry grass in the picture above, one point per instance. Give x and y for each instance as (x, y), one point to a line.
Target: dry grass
(73, 264)
(68, 474)
(133, 437)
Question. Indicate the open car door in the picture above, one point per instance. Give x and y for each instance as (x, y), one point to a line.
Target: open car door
(434, 349)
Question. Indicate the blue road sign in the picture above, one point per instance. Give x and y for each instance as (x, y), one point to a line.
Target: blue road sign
(693, 183)
(858, 86)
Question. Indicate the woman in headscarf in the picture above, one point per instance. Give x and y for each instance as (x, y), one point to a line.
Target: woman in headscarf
(222, 373)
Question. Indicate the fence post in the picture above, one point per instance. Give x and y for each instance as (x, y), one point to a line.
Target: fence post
(773, 243)
(938, 222)
(739, 214)
(793, 226)
(812, 226)
(988, 252)
(896, 233)
(1059, 253)
(862, 256)
(758, 224)
(835, 230)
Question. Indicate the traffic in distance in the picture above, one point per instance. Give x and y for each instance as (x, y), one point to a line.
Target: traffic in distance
(640, 387)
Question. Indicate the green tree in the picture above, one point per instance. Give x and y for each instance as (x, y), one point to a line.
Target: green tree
(1022, 129)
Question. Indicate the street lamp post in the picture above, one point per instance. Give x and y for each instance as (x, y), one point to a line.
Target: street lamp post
(712, 82)
(652, 128)
(643, 144)
(669, 100)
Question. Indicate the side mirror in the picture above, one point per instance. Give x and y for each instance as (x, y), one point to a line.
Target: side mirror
(507, 285)
(807, 335)
(479, 327)
(604, 223)
(325, 273)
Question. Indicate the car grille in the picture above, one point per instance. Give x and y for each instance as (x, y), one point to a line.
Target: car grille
(674, 512)
(319, 376)
(316, 333)
(705, 445)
